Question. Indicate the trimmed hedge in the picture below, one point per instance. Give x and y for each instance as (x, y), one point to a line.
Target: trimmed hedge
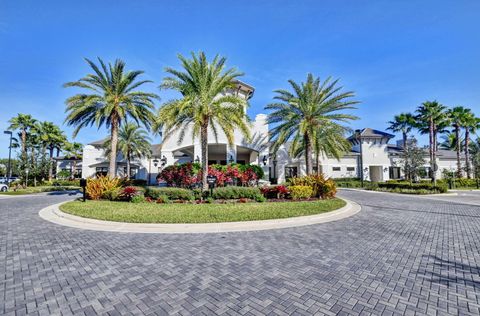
(231, 193)
(172, 193)
(411, 187)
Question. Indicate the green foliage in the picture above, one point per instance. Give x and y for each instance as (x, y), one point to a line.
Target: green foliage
(299, 192)
(203, 105)
(138, 199)
(171, 193)
(321, 187)
(260, 199)
(233, 193)
(348, 182)
(163, 199)
(406, 187)
(303, 114)
(103, 187)
(112, 194)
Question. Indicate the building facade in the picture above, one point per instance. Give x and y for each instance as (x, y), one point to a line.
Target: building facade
(372, 155)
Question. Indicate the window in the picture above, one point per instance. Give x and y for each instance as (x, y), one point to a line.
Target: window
(394, 172)
(350, 168)
(101, 171)
(290, 172)
(336, 169)
(133, 172)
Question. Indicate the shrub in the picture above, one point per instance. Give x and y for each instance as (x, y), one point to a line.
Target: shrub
(129, 192)
(407, 187)
(299, 192)
(136, 182)
(163, 198)
(275, 192)
(260, 198)
(97, 188)
(171, 193)
(63, 183)
(138, 199)
(348, 182)
(322, 187)
(233, 193)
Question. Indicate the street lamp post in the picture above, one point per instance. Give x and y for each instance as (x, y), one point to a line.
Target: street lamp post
(9, 170)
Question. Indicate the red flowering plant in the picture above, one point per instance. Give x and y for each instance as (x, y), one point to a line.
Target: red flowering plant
(128, 193)
(278, 191)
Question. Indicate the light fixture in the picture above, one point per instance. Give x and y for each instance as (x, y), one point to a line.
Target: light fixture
(197, 160)
(163, 160)
(230, 160)
(366, 169)
(385, 169)
(265, 160)
(155, 162)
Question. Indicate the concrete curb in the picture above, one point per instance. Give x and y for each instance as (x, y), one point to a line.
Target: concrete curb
(404, 194)
(55, 215)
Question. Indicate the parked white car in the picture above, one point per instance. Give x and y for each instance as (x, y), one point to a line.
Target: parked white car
(3, 187)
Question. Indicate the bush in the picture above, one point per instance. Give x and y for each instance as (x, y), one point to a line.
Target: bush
(97, 188)
(112, 194)
(260, 198)
(128, 193)
(138, 199)
(275, 192)
(299, 192)
(406, 187)
(63, 183)
(171, 193)
(348, 182)
(135, 182)
(322, 187)
(234, 193)
(163, 198)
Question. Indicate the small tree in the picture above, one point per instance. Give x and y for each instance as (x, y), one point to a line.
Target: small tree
(413, 160)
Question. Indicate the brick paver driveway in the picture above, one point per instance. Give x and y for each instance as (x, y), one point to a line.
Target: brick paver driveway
(399, 255)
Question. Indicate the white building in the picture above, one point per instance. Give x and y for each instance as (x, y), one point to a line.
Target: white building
(371, 154)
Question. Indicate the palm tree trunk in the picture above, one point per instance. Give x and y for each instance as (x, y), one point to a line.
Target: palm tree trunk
(317, 161)
(24, 147)
(33, 166)
(405, 149)
(112, 168)
(308, 154)
(458, 145)
(50, 169)
(467, 153)
(204, 145)
(432, 150)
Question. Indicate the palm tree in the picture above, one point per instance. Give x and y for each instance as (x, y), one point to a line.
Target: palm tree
(471, 124)
(23, 123)
(110, 99)
(132, 143)
(402, 123)
(51, 138)
(330, 142)
(73, 151)
(449, 141)
(456, 117)
(205, 103)
(301, 114)
(431, 116)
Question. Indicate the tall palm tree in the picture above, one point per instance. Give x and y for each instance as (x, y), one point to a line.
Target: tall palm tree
(432, 115)
(301, 114)
(456, 117)
(23, 123)
(111, 98)
(51, 138)
(73, 151)
(402, 123)
(205, 103)
(132, 143)
(471, 124)
(330, 142)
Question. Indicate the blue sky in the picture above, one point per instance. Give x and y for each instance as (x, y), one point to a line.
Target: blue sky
(393, 54)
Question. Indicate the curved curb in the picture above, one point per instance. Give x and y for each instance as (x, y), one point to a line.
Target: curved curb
(55, 215)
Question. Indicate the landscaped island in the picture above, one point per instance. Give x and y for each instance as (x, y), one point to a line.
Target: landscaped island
(197, 213)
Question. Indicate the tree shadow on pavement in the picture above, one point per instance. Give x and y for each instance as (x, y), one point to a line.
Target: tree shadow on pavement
(449, 272)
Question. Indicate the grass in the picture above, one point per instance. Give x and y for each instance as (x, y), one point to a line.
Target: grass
(39, 189)
(197, 213)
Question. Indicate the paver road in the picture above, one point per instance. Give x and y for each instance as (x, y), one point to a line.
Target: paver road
(399, 255)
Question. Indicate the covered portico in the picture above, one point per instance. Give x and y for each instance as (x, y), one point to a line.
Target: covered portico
(222, 154)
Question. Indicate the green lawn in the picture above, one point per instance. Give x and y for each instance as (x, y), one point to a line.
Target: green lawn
(196, 213)
(39, 189)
